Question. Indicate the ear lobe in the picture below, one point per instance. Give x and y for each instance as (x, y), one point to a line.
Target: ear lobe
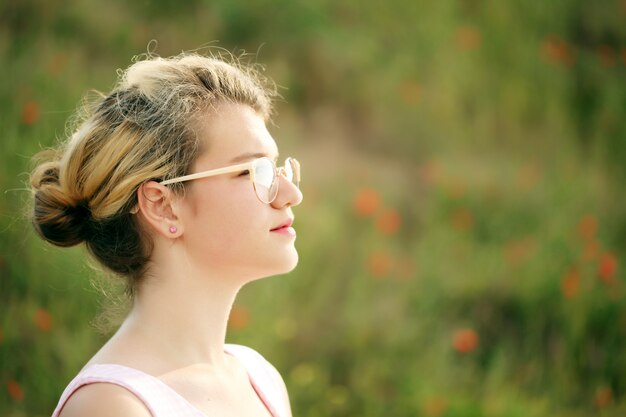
(157, 204)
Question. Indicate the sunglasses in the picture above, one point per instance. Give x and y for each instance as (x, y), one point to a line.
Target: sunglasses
(263, 174)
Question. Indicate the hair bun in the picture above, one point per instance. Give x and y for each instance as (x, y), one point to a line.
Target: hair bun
(56, 218)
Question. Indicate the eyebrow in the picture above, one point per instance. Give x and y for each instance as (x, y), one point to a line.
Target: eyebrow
(252, 155)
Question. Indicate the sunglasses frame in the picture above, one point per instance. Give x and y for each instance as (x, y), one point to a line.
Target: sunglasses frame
(279, 171)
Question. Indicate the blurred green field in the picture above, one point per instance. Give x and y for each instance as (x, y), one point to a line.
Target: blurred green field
(463, 232)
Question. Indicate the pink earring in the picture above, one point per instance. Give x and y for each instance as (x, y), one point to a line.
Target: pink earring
(173, 229)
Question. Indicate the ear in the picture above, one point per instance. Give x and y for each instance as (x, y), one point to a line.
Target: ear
(157, 204)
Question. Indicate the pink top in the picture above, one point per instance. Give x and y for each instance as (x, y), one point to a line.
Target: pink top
(163, 401)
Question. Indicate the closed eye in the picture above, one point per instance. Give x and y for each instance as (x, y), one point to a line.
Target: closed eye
(244, 173)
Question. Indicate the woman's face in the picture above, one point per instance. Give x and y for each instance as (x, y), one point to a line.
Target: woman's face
(227, 229)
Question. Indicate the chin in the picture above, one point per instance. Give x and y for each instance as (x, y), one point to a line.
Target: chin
(293, 263)
(282, 266)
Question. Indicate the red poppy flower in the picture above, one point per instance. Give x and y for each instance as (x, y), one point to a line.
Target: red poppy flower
(15, 390)
(607, 267)
(468, 37)
(366, 202)
(603, 396)
(43, 319)
(30, 113)
(388, 222)
(465, 340)
(587, 227)
(379, 264)
(570, 283)
(557, 51)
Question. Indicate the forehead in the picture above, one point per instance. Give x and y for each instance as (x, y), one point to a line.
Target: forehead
(230, 131)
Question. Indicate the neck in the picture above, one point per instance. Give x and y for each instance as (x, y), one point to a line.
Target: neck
(181, 319)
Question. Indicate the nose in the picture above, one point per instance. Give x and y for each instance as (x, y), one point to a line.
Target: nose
(288, 194)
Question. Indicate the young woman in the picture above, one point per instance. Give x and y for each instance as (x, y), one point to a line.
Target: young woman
(171, 181)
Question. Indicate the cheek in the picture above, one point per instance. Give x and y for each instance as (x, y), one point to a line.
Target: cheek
(225, 217)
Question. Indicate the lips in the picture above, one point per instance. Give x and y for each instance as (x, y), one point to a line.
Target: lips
(287, 223)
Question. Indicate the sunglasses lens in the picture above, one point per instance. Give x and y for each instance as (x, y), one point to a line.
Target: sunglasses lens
(288, 169)
(292, 171)
(265, 183)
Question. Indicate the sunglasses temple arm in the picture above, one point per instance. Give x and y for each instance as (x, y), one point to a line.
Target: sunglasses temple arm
(210, 173)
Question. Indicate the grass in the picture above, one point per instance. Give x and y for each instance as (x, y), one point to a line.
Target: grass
(462, 236)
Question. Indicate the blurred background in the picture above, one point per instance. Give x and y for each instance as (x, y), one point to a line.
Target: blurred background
(463, 232)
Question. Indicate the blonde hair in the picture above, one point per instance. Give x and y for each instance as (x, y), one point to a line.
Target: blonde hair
(86, 189)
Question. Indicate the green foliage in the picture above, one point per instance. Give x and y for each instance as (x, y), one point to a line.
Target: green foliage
(463, 234)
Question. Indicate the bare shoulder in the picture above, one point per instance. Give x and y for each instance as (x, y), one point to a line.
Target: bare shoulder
(104, 400)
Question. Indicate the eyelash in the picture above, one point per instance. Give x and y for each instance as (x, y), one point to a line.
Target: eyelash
(246, 172)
